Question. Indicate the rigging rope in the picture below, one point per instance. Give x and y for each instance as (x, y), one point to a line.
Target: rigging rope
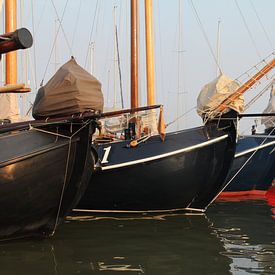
(205, 35)
(215, 111)
(262, 25)
(40, 18)
(77, 21)
(179, 117)
(119, 69)
(241, 168)
(61, 26)
(259, 95)
(65, 177)
(55, 38)
(248, 30)
(66, 168)
(246, 73)
(91, 33)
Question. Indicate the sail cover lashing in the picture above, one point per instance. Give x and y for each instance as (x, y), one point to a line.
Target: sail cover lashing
(270, 120)
(214, 93)
(72, 90)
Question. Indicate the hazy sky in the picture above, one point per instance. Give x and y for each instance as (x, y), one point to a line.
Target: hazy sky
(183, 60)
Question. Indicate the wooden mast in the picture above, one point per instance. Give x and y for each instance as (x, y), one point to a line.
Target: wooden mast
(134, 54)
(247, 85)
(10, 26)
(149, 53)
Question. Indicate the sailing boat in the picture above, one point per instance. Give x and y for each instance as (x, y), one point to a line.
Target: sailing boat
(45, 165)
(253, 169)
(144, 171)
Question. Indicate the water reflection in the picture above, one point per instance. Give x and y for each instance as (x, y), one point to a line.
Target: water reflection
(233, 238)
(248, 235)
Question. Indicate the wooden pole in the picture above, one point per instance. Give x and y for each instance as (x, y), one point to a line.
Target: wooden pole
(134, 54)
(247, 85)
(10, 26)
(149, 53)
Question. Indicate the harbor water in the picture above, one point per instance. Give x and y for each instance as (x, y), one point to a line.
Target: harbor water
(232, 238)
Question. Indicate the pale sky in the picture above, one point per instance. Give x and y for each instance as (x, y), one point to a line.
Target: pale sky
(180, 66)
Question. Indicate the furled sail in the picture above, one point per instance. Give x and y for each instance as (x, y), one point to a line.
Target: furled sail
(270, 121)
(215, 92)
(9, 108)
(71, 90)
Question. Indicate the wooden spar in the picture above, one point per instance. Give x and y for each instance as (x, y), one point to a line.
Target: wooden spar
(134, 54)
(10, 26)
(149, 53)
(19, 39)
(11, 88)
(247, 85)
(125, 111)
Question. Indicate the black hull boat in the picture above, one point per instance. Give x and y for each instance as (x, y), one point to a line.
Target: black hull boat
(255, 158)
(45, 164)
(187, 171)
(183, 173)
(43, 173)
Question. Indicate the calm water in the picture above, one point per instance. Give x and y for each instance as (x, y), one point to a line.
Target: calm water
(233, 238)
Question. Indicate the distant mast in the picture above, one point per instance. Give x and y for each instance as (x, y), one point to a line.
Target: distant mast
(134, 54)
(218, 50)
(149, 53)
(10, 26)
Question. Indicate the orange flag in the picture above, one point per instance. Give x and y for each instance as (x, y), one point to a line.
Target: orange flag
(161, 125)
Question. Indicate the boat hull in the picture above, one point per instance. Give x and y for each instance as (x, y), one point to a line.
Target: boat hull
(42, 177)
(185, 172)
(256, 154)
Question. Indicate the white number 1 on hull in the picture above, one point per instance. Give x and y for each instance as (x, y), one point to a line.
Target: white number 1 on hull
(106, 154)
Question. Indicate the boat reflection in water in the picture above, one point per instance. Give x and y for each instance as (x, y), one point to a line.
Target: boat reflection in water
(223, 242)
(247, 234)
(159, 245)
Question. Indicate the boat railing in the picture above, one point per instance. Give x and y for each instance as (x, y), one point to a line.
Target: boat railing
(249, 79)
(129, 124)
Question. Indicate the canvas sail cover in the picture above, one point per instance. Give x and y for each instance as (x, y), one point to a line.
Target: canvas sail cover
(70, 91)
(270, 120)
(215, 92)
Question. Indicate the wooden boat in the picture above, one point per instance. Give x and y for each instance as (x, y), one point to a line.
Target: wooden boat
(44, 171)
(184, 172)
(45, 165)
(255, 157)
(254, 165)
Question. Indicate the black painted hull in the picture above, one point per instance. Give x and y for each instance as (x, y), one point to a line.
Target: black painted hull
(259, 171)
(42, 177)
(185, 172)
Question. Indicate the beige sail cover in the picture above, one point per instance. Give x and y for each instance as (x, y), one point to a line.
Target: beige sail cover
(9, 108)
(70, 91)
(215, 92)
(270, 120)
